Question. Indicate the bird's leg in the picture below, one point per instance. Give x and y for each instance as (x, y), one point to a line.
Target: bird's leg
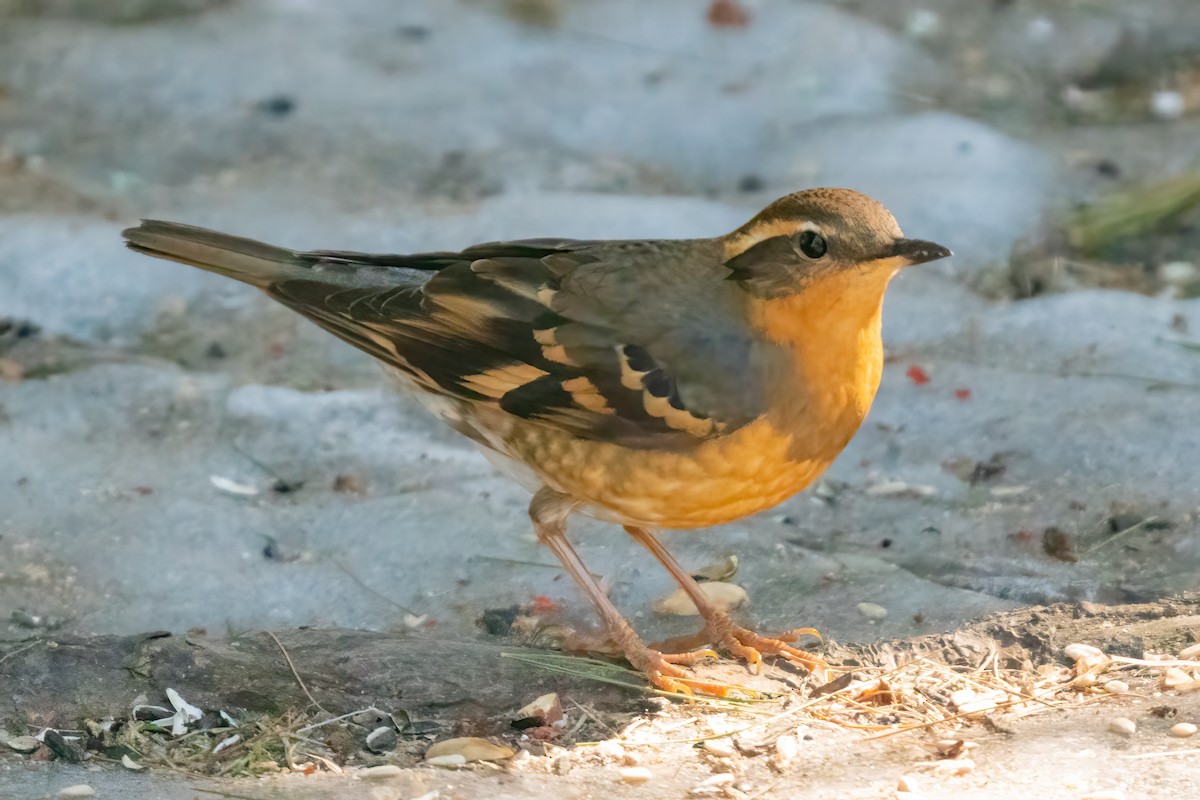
(549, 511)
(741, 642)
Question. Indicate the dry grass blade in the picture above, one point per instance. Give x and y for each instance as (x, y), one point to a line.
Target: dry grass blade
(1133, 212)
(615, 675)
(295, 674)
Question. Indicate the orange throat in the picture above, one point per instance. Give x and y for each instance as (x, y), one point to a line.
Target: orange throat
(833, 331)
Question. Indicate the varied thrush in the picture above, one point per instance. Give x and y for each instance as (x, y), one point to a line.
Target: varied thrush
(651, 383)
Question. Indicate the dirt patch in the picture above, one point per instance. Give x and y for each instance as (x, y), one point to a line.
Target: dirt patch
(323, 700)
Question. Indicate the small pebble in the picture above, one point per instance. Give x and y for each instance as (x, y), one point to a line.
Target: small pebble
(129, 763)
(872, 611)
(1122, 725)
(954, 766)
(23, 744)
(1040, 29)
(922, 22)
(1178, 272)
(1167, 105)
(909, 784)
(721, 748)
(78, 790)
(1190, 653)
(786, 750)
(635, 775)
(1174, 678)
(1116, 687)
(382, 739)
(716, 785)
(379, 773)
(610, 750)
(1183, 730)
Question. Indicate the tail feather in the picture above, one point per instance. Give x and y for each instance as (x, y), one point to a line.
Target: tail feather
(246, 260)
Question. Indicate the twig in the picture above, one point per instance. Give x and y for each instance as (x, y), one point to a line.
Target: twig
(295, 674)
(1141, 662)
(29, 646)
(522, 563)
(1166, 753)
(1119, 534)
(225, 794)
(347, 715)
(595, 719)
(369, 590)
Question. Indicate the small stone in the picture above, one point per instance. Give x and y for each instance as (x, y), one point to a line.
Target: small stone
(786, 750)
(1183, 730)
(1167, 104)
(1040, 29)
(635, 775)
(961, 698)
(129, 763)
(1123, 726)
(954, 766)
(908, 784)
(545, 710)
(721, 748)
(922, 23)
(1116, 687)
(65, 749)
(1190, 653)
(379, 773)
(610, 750)
(382, 739)
(716, 785)
(24, 744)
(872, 611)
(1178, 272)
(78, 790)
(1175, 678)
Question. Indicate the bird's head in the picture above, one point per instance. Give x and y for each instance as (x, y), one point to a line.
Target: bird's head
(809, 237)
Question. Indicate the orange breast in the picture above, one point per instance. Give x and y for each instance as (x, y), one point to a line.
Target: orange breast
(816, 407)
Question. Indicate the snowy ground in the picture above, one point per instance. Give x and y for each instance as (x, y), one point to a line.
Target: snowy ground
(433, 125)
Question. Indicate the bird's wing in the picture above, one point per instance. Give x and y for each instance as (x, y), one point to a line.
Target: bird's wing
(626, 342)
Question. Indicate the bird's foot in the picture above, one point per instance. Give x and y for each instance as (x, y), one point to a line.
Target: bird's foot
(665, 670)
(751, 647)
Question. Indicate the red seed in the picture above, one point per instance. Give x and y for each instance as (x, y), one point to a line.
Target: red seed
(728, 14)
(541, 604)
(917, 375)
(962, 394)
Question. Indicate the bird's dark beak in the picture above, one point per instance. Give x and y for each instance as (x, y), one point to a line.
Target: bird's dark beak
(918, 251)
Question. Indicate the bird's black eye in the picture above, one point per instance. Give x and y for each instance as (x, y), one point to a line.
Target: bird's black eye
(811, 243)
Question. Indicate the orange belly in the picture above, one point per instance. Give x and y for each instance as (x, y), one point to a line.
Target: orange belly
(718, 481)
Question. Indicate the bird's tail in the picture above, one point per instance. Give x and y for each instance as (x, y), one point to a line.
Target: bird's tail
(246, 260)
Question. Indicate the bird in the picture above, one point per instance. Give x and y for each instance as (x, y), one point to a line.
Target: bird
(651, 383)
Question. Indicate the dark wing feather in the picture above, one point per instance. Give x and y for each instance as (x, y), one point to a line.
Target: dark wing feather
(628, 342)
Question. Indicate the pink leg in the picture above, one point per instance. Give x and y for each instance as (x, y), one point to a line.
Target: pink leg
(549, 511)
(741, 642)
